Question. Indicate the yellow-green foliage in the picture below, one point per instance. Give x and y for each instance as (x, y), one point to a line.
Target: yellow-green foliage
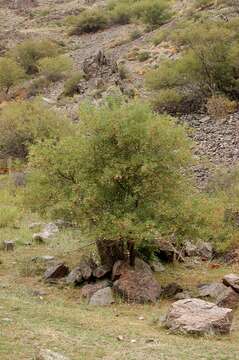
(207, 66)
(151, 12)
(10, 214)
(71, 84)
(10, 74)
(29, 52)
(89, 21)
(27, 122)
(54, 68)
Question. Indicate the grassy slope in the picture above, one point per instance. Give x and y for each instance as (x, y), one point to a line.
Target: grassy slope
(60, 321)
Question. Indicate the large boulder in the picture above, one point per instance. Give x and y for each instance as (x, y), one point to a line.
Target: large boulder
(232, 280)
(121, 267)
(205, 250)
(57, 271)
(196, 316)
(136, 284)
(102, 297)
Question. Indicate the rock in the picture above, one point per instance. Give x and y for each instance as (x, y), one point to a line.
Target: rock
(228, 298)
(87, 266)
(211, 290)
(8, 245)
(121, 267)
(182, 295)
(171, 290)
(156, 266)
(101, 271)
(102, 297)
(35, 225)
(166, 251)
(190, 249)
(196, 316)
(232, 280)
(204, 250)
(137, 286)
(75, 277)
(46, 354)
(40, 237)
(48, 231)
(90, 289)
(56, 272)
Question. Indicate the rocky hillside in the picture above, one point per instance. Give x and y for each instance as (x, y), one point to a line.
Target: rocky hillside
(117, 58)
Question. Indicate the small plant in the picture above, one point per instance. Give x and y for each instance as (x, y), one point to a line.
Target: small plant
(123, 72)
(10, 74)
(89, 21)
(71, 84)
(54, 68)
(134, 35)
(143, 56)
(220, 106)
(167, 100)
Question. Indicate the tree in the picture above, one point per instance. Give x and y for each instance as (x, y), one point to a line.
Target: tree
(10, 74)
(120, 177)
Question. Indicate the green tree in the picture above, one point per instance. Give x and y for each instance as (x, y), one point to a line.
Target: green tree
(120, 177)
(10, 74)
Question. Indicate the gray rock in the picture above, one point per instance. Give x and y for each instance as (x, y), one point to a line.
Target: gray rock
(211, 290)
(232, 280)
(46, 354)
(8, 245)
(190, 249)
(196, 316)
(156, 266)
(75, 277)
(89, 289)
(101, 271)
(102, 297)
(56, 272)
(182, 295)
(204, 250)
(171, 290)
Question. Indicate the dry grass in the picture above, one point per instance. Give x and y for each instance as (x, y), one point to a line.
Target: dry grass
(61, 322)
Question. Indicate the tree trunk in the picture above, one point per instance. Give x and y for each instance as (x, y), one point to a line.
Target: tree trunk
(110, 251)
(131, 252)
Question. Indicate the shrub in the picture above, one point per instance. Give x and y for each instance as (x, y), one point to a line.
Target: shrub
(29, 52)
(54, 68)
(71, 84)
(10, 74)
(9, 215)
(143, 56)
(89, 21)
(167, 100)
(219, 106)
(207, 66)
(25, 123)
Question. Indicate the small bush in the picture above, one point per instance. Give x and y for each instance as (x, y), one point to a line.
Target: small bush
(220, 106)
(29, 52)
(54, 68)
(10, 74)
(9, 215)
(71, 84)
(143, 56)
(134, 35)
(28, 122)
(167, 100)
(89, 21)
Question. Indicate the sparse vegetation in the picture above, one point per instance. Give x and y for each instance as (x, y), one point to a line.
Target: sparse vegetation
(54, 68)
(71, 84)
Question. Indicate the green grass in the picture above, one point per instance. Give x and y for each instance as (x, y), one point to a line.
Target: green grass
(61, 322)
